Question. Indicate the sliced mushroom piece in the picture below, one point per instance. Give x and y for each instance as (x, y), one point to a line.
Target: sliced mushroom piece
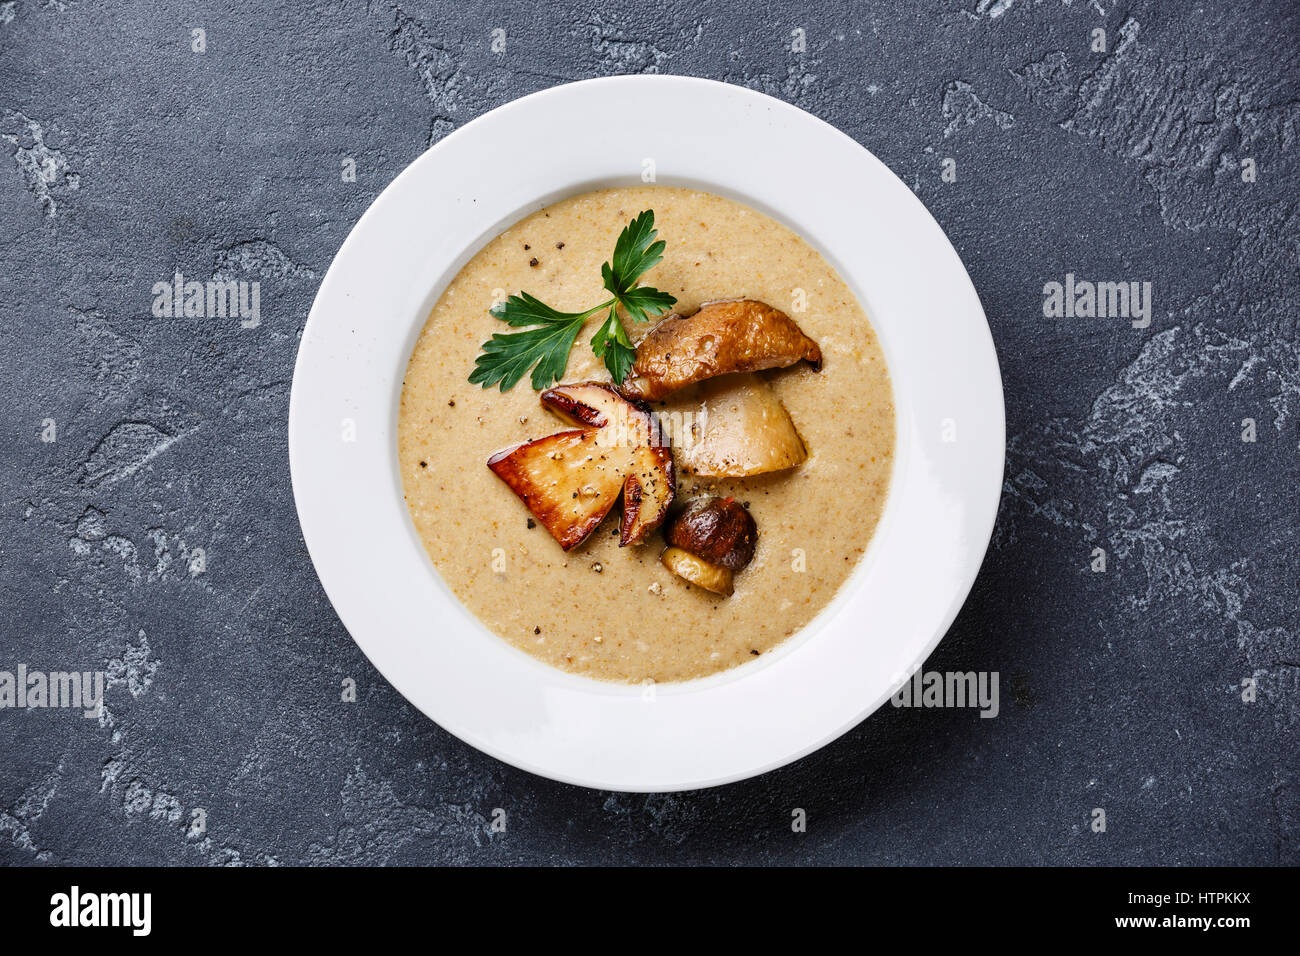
(570, 480)
(740, 428)
(731, 335)
(633, 438)
(709, 541)
(567, 480)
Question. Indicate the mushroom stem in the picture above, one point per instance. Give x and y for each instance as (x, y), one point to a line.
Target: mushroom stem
(697, 571)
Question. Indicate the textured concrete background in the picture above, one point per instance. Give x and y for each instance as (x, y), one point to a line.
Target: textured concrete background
(125, 156)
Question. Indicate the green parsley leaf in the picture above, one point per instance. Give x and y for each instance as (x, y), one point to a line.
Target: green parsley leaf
(635, 254)
(523, 310)
(549, 334)
(507, 357)
(644, 303)
(613, 346)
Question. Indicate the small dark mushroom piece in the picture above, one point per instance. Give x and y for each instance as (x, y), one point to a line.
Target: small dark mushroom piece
(709, 541)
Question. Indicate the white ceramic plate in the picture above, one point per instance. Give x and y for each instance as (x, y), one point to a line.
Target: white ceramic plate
(426, 226)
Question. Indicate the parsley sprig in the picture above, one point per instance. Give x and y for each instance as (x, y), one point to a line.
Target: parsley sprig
(548, 334)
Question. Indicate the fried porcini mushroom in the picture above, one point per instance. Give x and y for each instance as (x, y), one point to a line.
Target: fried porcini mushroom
(742, 429)
(710, 540)
(570, 480)
(566, 480)
(729, 335)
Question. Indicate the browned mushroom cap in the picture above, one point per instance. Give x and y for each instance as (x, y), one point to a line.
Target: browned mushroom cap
(718, 530)
(734, 335)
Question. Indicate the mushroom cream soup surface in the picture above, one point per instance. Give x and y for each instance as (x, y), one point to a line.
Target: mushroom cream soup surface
(616, 613)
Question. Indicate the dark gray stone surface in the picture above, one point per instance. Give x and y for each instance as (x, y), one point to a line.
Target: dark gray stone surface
(125, 156)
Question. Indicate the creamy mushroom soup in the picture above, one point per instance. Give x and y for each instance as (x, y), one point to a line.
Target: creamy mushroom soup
(812, 448)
